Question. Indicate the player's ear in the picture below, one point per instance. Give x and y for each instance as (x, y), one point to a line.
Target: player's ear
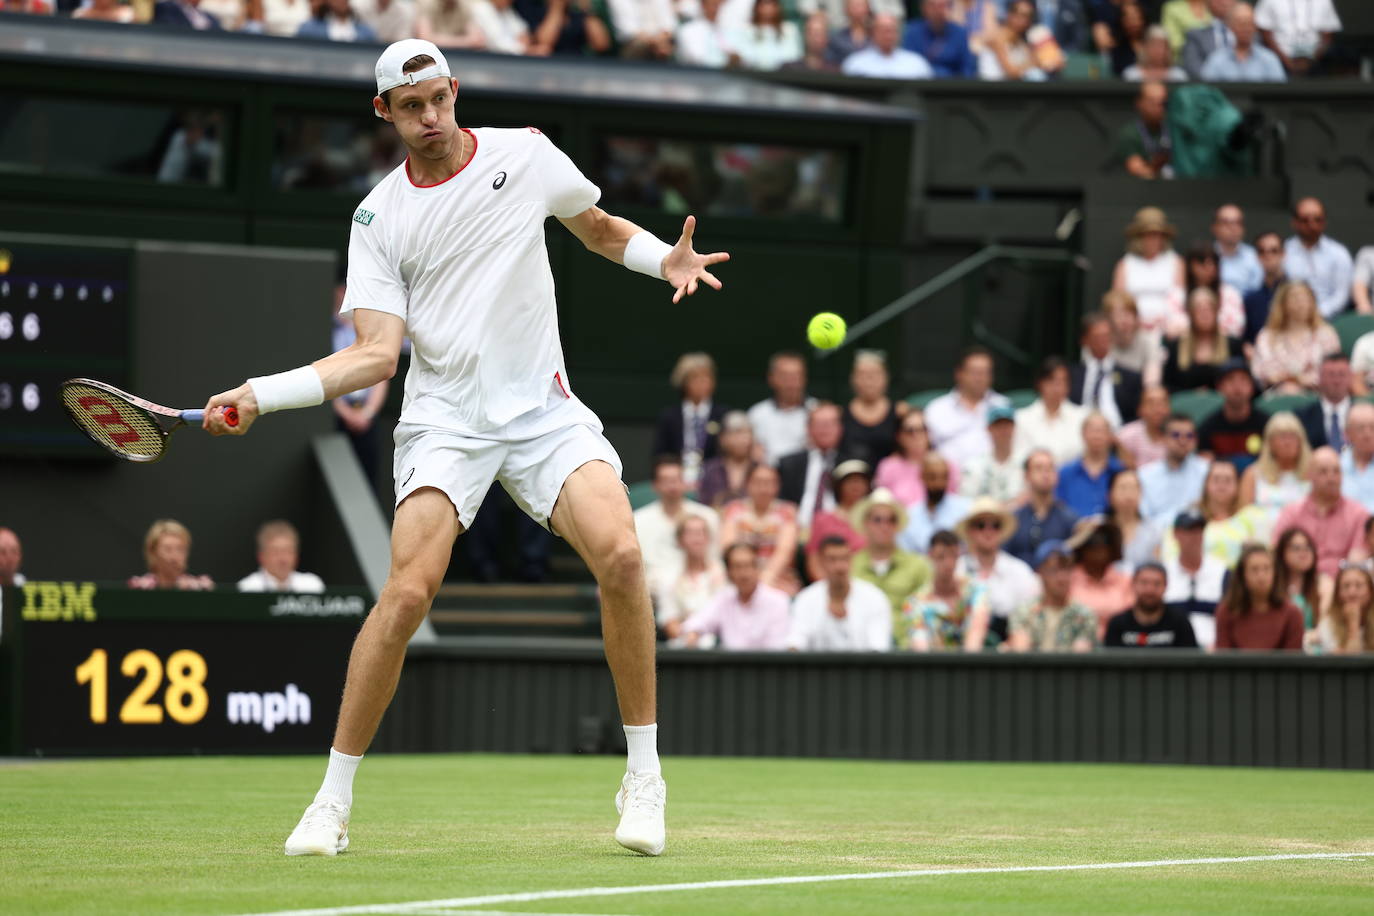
(454, 81)
(379, 106)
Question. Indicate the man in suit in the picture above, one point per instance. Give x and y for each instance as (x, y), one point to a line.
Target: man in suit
(1199, 44)
(1098, 382)
(1325, 419)
(690, 428)
(184, 14)
(805, 475)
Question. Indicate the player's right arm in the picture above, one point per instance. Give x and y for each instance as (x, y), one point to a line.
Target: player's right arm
(370, 359)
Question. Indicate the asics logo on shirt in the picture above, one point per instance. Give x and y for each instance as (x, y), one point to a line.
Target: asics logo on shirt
(499, 181)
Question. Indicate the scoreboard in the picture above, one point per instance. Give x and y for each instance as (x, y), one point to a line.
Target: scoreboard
(65, 310)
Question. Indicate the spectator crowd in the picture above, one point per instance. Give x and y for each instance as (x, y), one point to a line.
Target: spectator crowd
(1142, 40)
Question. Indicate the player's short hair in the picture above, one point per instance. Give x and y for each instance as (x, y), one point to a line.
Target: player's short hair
(276, 528)
(161, 529)
(418, 62)
(944, 538)
(689, 363)
(663, 461)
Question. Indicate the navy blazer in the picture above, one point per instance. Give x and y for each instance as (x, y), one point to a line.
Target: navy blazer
(668, 436)
(166, 12)
(1126, 389)
(1314, 422)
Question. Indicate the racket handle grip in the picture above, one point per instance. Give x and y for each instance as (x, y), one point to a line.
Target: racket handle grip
(231, 416)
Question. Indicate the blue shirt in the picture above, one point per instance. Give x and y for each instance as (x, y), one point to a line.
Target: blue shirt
(1084, 493)
(922, 523)
(947, 53)
(1032, 531)
(1257, 303)
(1242, 270)
(1357, 485)
(1165, 492)
(1262, 66)
(1326, 267)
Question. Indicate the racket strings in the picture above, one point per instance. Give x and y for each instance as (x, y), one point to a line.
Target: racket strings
(114, 423)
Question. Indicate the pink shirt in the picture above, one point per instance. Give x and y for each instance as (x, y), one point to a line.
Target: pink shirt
(1136, 441)
(903, 478)
(1335, 533)
(1105, 598)
(760, 623)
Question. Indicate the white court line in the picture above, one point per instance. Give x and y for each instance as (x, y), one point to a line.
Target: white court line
(414, 908)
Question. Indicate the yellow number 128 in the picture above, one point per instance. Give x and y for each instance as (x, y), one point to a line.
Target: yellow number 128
(185, 698)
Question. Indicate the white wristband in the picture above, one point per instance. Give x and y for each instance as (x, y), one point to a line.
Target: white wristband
(298, 388)
(644, 253)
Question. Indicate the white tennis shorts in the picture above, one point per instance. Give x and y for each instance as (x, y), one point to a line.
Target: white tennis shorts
(531, 456)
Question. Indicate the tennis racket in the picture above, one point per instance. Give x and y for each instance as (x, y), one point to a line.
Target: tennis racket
(132, 428)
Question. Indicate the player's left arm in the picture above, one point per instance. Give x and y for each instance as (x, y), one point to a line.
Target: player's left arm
(619, 240)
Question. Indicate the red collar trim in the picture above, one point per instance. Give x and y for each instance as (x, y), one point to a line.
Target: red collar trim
(436, 184)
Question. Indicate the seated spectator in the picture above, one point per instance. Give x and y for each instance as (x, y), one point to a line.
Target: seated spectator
(885, 58)
(700, 579)
(284, 18)
(336, 21)
(1053, 622)
(1139, 535)
(643, 28)
(944, 44)
(769, 41)
(1295, 560)
(896, 571)
(1314, 257)
(1200, 42)
(769, 524)
(656, 524)
(870, 418)
(1367, 549)
(233, 15)
(1142, 440)
(504, 29)
(1362, 281)
(1334, 522)
(184, 14)
(1151, 271)
(1244, 60)
(900, 472)
(950, 612)
(1229, 524)
(1240, 265)
(1179, 17)
(279, 552)
(1202, 270)
(1043, 516)
(840, 613)
(1195, 578)
(1269, 249)
(1233, 431)
(1007, 582)
(563, 27)
(1118, 28)
(105, 11)
(804, 475)
(838, 11)
(1254, 614)
(11, 558)
(1149, 623)
(391, 20)
(1051, 421)
(1326, 419)
(1156, 61)
(705, 40)
(1347, 625)
(1357, 461)
(779, 422)
(852, 482)
(1172, 484)
(1145, 148)
(1191, 360)
(815, 47)
(1290, 349)
(941, 508)
(167, 549)
(1096, 581)
(1298, 31)
(448, 23)
(958, 421)
(1083, 481)
(854, 35)
(722, 477)
(1279, 476)
(749, 615)
(999, 474)
(1011, 54)
(1133, 347)
(691, 427)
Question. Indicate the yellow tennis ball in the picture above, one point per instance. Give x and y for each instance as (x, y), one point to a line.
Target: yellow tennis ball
(826, 331)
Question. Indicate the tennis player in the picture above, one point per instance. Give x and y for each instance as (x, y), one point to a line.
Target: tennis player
(449, 248)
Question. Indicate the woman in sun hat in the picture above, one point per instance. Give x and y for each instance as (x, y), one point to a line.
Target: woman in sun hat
(1151, 270)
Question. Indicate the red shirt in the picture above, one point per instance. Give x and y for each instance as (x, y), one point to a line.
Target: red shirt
(1273, 629)
(1335, 533)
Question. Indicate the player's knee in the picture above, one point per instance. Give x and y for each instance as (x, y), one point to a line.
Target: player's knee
(622, 566)
(402, 607)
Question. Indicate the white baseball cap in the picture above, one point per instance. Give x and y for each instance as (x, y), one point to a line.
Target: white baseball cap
(389, 65)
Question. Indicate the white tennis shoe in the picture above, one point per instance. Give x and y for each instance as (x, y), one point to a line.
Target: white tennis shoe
(640, 802)
(323, 830)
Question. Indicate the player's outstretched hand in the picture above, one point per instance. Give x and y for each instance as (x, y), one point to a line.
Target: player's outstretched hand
(684, 268)
(240, 398)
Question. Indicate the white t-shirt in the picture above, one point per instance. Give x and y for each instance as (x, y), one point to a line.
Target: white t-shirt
(299, 583)
(1297, 24)
(464, 263)
(866, 626)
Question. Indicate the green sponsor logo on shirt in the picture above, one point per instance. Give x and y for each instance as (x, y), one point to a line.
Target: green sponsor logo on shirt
(363, 216)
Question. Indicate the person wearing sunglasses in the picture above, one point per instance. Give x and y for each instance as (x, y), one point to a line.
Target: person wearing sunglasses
(897, 572)
(1314, 257)
(1008, 583)
(1269, 250)
(1170, 485)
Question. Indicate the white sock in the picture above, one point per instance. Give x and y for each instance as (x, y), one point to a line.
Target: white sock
(642, 743)
(338, 779)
